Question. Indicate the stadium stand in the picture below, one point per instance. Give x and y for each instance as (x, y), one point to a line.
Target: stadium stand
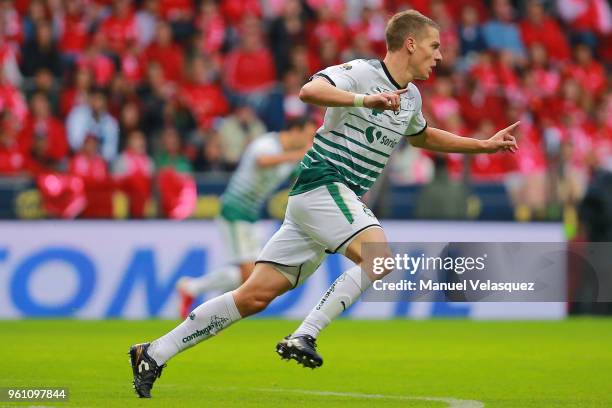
(187, 84)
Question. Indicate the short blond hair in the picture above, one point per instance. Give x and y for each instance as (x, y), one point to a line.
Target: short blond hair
(405, 24)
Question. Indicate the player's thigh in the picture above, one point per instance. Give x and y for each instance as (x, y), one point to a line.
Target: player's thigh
(292, 252)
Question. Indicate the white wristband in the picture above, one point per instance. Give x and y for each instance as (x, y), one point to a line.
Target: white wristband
(358, 101)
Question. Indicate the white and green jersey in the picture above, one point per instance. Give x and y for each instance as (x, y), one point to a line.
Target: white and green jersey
(354, 144)
(251, 185)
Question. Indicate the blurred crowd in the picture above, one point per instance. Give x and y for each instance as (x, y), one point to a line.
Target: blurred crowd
(106, 94)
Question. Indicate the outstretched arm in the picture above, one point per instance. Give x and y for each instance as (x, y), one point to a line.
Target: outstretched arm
(320, 92)
(442, 141)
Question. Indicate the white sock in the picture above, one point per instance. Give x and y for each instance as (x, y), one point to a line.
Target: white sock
(205, 321)
(340, 295)
(223, 279)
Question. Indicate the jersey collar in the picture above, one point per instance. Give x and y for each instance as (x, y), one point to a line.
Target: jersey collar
(384, 66)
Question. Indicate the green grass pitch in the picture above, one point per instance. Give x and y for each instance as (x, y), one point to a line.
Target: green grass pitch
(396, 363)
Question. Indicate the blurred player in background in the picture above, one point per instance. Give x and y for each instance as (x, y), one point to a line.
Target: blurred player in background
(266, 163)
(372, 105)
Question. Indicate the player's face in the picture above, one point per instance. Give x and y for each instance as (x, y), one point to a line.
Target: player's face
(426, 54)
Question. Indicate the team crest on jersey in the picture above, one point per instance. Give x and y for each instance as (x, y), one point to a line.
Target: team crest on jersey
(407, 104)
(346, 67)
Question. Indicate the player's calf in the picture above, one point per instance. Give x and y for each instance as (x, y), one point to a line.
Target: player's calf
(249, 302)
(377, 269)
(262, 287)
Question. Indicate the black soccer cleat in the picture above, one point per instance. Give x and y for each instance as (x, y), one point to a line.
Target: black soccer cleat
(302, 349)
(145, 370)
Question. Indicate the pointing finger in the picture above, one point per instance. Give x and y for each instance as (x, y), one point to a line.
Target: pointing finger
(512, 126)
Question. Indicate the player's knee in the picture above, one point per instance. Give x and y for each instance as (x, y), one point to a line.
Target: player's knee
(380, 266)
(252, 303)
(369, 244)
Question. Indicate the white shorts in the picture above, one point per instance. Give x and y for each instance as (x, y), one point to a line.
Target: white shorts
(242, 238)
(318, 222)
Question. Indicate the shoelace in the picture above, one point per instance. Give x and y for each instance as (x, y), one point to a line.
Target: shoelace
(312, 342)
(156, 374)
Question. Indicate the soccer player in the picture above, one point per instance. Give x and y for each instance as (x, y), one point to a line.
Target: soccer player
(372, 105)
(266, 163)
